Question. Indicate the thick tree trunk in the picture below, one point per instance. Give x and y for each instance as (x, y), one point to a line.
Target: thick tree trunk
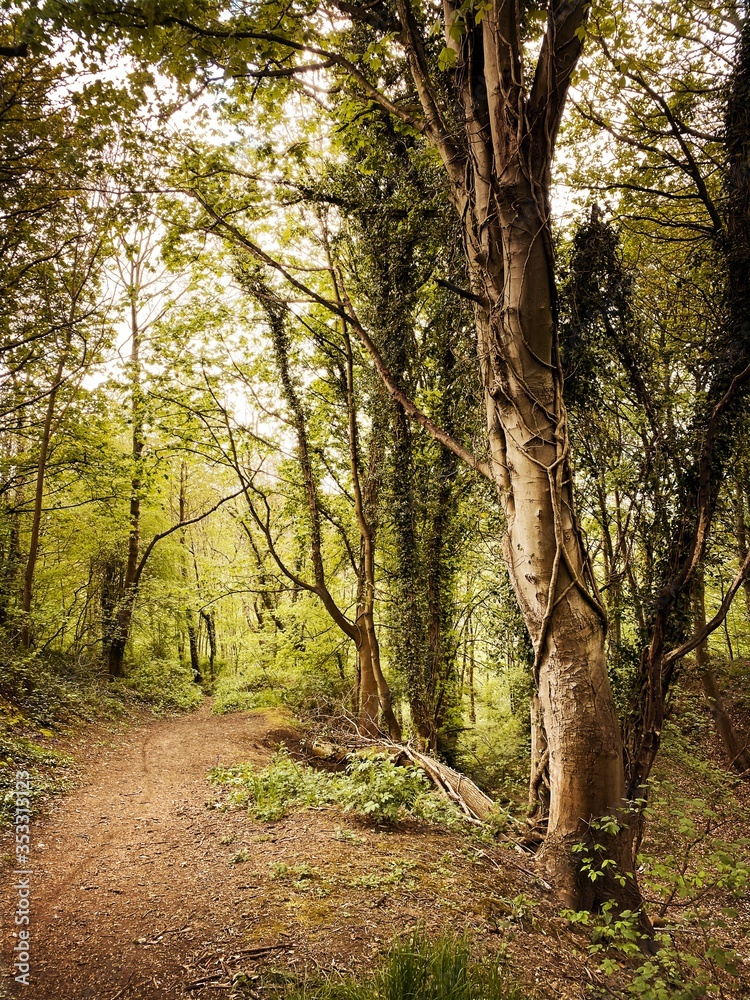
(499, 173)
(544, 554)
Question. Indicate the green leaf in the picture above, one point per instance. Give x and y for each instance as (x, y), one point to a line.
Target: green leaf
(447, 59)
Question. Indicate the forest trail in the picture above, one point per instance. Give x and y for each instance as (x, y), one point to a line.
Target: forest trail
(141, 889)
(123, 887)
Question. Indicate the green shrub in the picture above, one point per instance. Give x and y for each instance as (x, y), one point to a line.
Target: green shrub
(166, 685)
(373, 789)
(302, 684)
(243, 693)
(697, 877)
(271, 793)
(46, 688)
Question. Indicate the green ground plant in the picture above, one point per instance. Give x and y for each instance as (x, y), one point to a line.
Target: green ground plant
(693, 880)
(419, 969)
(373, 789)
(166, 685)
(49, 771)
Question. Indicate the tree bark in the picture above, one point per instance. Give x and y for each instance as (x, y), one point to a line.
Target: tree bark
(124, 615)
(500, 183)
(368, 691)
(544, 555)
(36, 517)
(737, 749)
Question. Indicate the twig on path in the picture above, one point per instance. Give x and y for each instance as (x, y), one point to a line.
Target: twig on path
(172, 930)
(127, 986)
(262, 949)
(198, 984)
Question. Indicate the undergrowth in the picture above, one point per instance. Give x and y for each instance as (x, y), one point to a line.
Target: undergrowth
(419, 969)
(48, 771)
(694, 873)
(163, 684)
(373, 789)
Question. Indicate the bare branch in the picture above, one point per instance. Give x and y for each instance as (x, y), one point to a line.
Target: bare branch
(716, 621)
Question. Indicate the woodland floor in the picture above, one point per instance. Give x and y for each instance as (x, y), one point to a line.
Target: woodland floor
(137, 890)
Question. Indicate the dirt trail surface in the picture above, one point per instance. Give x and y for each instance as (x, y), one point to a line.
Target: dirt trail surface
(140, 889)
(123, 883)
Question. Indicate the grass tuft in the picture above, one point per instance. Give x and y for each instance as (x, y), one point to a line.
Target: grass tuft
(419, 969)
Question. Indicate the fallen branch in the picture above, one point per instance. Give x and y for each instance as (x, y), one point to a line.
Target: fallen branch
(452, 785)
(200, 984)
(472, 801)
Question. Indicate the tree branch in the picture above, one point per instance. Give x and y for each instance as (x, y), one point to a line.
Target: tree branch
(176, 527)
(561, 49)
(716, 621)
(348, 314)
(409, 407)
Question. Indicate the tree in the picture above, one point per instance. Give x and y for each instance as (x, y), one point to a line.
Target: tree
(373, 690)
(495, 135)
(682, 183)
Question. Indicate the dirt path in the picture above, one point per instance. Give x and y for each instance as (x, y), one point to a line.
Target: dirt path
(123, 888)
(139, 891)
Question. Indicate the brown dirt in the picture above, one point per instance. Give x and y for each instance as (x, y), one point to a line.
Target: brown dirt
(138, 892)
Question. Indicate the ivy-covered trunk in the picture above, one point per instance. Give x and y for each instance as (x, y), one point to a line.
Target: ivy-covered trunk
(499, 175)
(547, 563)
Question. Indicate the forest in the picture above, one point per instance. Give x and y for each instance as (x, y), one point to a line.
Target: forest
(375, 457)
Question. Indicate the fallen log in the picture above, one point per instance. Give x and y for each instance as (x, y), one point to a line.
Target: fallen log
(453, 785)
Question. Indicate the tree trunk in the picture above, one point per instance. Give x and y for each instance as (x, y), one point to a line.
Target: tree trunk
(545, 558)
(409, 641)
(368, 691)
(539, 785)
(36, 519)
(113, 577)
(192, 632)
(116, 658)
(737, 749)
(364, 505)
(11, 562)
(741, 531)
(208, 618)
(195, 660)
(124, 616)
